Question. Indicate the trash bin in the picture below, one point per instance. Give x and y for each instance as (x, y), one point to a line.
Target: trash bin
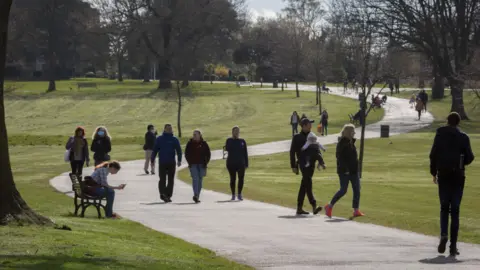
(275, 84)
(384, 131)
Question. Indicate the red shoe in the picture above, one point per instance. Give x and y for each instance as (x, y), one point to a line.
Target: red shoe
(328, 210)
(115, 216)
(357, 213)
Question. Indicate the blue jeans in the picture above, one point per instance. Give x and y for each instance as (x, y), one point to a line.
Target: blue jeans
(110, 194)
(197, 171)
(294, 128)
(344, 180)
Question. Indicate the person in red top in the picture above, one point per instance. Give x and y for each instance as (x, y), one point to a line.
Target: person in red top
(197, 154)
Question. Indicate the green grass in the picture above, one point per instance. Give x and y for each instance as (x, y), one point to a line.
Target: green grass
(397, 189)
(39, 124)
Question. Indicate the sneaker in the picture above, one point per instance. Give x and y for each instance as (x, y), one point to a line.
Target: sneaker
(314, 207)
(328, 210)
(195, 199)
(317, 210)
(233, 197)
(153, 173)
(442, 246)
(146, 172)
(358, 213)
(169, 199)
(454, 251)
(302, 212)
(163, 198)
(240, 198)
(115, 216)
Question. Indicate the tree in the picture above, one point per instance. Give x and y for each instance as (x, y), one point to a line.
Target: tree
(446, 31)
(12, 206)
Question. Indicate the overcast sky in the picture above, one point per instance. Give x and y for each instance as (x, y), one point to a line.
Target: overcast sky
(265, 8)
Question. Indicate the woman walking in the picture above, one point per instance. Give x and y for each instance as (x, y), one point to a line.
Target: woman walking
(324, 122)
(419, 107)
(347, 170)
(78, 147)
(294, 120)
(237, 161)
(197, 154)
(150, 138)
(101, 145)
(102, 187)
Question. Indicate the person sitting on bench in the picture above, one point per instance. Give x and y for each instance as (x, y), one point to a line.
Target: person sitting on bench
(325, 88)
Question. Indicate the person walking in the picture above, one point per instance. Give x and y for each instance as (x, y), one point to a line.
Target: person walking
(298, 142)
(450, 153)
(237, 161)
(419, 105)
(166, 146)
(397, 85)
(345, 86)
(347, 170)
(78, 147)
(197, 154)
(101, 145)
(390, 85)
(425, 100)
(294, 120)
(324, 122)
(150, 138)
(99, 176)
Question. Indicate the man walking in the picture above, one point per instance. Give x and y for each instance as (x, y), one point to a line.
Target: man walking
(451, 152)
(298, 142)
(166, 146)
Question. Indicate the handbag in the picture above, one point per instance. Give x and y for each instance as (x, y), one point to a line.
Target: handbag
(66, 156)
(319, 128)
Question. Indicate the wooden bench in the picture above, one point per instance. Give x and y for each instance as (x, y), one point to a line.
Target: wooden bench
(224, 153)
(82, 200)
(244, 83)
(352, 119)
(86, 85)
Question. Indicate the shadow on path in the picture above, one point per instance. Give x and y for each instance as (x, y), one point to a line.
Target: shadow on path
(185, 203)
(296, 216)
(440, 260)
(153, 203)
(229, 201)
(336, 220)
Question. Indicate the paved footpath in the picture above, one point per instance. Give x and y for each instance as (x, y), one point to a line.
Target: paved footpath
(267, 236)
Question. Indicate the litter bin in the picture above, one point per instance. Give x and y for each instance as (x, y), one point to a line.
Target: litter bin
(275, 84)
(384, 131)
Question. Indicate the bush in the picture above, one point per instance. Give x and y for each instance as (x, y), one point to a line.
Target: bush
(90, 75)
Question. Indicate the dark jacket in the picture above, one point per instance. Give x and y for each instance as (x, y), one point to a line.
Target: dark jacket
(165, 147)
(312, 154)
(149, 141)
(237, 152)
(324, 118)
(448, 147)
(69, 146)
(347, 159)
(197, 153)
(298, 141)
(101, 147)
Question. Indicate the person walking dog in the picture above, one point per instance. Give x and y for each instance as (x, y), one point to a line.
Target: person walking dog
(150, 138)
(298, 142)
(197, 154)
(237, 161)
(166, 146)
(451, 152)
(347, 170)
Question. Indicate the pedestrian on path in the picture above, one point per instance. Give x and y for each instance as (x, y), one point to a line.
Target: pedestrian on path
(150, 138)
(347, 170)
(237, 161)
(294, 120)
(102, 187)
(397, 85)
(391, 86)
(101, 145)
(451, 152)
(77, 147)
(166, 147)
(324, 122)
(298, 142)
(197, 154)
(424, 98)
(419, 107)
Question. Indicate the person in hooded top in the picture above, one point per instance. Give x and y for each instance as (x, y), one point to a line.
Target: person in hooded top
(197, 154)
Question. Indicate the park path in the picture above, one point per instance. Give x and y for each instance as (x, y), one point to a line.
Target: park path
(268, 236)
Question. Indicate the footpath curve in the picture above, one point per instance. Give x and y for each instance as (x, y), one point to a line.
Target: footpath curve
(267, 236)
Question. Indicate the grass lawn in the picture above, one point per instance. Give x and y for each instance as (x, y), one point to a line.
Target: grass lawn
(397, 189)
(39, 124)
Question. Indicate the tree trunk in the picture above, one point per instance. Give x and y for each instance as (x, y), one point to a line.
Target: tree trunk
(146, 70)
(363, 120)
(456, 87)
(179, 113)
(185, 83)
(120, 68)
(12, 206)
(282, 87)
(438, 88)
(164, 75)
(319, 91)
(51, 50)
(296, 88)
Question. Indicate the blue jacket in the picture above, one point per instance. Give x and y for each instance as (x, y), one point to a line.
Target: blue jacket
(166, 146)
(237, 152)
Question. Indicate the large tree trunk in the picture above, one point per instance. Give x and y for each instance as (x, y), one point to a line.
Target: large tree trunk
(12, 206)
(363, 120)
(438, 87)
(164, 75)
(456, 87)
(179, 112)
(146, 70)
(296, 88)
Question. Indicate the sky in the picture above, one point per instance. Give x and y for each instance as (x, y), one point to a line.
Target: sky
(265, 8)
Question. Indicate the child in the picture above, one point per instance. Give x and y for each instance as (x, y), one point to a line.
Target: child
(311, 152)
(412, 100)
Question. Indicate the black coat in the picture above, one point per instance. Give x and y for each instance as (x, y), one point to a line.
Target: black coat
(347, 158)
(101, 147)
(298, 141)
(149, 141)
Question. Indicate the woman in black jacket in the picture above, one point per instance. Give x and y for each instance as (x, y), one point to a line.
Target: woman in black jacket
(347, 170)
(197, 154)
(77, 145)
(237, 161)
(150, 138)
(101, 145)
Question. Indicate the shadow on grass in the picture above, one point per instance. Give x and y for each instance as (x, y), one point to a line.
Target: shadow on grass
(40, 262)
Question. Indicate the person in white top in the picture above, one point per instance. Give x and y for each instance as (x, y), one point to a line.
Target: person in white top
(294, 120)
